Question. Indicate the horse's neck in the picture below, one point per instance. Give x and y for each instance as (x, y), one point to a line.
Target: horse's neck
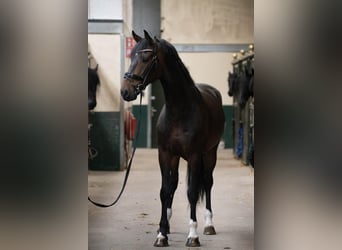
(180, 94)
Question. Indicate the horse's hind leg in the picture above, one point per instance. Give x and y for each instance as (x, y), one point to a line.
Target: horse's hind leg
(169, 171)
(194, 185)
(209, 162)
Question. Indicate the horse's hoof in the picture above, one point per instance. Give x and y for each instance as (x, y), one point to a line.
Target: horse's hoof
(193, 242)
(161, 243)
(209, 230)
(167, 231)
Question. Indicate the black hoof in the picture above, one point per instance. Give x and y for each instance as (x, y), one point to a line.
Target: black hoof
(193, 242)
(161, 243)
(210, 230)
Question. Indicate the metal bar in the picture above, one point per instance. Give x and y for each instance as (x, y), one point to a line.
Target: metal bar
(105, 26)
(210, 47)
(105, 21)
(244, 58)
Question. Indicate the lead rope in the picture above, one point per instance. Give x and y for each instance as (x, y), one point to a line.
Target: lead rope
(128, 167)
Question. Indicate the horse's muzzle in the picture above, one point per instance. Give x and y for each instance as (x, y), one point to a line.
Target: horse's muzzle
(130, 89)
(91, 104)
(127, 95)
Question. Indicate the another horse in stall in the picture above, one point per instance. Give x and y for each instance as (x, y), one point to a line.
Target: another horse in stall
(190, 126)
(93, 83)
(251, 83)
(241, 84)
(232, 83)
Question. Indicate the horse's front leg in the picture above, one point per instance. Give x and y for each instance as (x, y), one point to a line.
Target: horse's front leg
(173, 187)
(169, 172)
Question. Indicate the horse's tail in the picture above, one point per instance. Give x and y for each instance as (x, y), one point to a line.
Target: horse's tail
(198, 181)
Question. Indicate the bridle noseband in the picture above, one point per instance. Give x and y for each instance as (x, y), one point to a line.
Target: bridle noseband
(142, 79)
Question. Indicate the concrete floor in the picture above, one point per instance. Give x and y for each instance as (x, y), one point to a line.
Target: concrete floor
(133, 221)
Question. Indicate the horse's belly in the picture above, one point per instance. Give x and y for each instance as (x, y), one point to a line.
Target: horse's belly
(184, 146)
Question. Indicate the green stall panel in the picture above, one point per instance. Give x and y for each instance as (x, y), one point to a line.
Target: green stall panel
(228, 127)
(104, 141)
(142, 118)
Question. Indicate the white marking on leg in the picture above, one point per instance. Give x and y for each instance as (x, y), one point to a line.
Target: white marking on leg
(208, 216)
(169, 213)
(160, 236)
(193, 229)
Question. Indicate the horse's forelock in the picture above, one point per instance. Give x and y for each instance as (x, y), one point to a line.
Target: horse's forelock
(142, 44)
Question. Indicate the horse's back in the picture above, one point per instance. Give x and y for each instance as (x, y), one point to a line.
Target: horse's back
(210, 92)
(212, 98)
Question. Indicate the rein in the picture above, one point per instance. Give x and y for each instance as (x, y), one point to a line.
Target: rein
(128, 167)
(138, 89)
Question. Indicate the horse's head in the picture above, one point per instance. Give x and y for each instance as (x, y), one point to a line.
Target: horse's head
(232, 83)
(243, 89)
(144, 67)
(93, 82)
(250, 72)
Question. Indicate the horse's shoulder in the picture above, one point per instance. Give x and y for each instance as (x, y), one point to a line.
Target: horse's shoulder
(161, 119)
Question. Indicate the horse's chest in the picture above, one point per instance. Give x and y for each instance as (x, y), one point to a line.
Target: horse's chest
(178, 135)
(177, 138)
(178, 141)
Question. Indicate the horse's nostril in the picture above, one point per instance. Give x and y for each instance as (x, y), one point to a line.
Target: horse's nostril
(124, 93)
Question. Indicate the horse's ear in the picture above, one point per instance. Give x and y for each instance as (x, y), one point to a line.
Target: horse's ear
(148, 37)
(156, 39)
(136, 37)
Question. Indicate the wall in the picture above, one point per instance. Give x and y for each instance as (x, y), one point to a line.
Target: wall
(106, 50)
(211, 68)
(208, 21)
(105, 9)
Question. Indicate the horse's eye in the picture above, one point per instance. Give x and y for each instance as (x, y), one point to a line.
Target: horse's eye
(144, 57)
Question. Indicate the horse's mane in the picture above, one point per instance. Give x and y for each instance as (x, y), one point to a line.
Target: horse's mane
(173, 60)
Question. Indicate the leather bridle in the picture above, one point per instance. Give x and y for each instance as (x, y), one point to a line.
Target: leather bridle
(143, 78)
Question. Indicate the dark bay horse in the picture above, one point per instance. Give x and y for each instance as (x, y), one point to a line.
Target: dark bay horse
(232, 83)
(93, 83)
(241, 85)
(190, 126)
